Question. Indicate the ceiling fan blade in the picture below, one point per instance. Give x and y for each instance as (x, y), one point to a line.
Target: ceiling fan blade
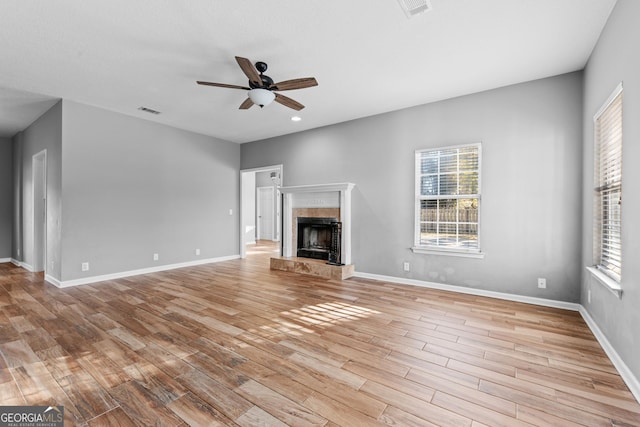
(249, 70)
(295, 84)
(288, 102)
(246, 104)
(223, 85)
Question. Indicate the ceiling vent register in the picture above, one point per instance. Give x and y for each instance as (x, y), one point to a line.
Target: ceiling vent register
(414, 7)
(148, 110)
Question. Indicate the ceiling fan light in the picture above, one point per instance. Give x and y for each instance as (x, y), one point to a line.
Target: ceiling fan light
(261, 97)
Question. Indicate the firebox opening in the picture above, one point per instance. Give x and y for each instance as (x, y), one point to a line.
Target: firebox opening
(315, 237)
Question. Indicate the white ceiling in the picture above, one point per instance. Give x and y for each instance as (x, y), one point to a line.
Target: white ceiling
(367, 56)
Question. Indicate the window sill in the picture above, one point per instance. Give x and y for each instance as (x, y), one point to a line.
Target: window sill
(606, 281)
(447, 252)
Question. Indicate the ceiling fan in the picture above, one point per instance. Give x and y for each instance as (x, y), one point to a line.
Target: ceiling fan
(262, 89)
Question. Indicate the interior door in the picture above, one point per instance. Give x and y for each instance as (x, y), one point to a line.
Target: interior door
(265, 213)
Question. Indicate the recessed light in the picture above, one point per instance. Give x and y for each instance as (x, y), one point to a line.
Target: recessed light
(296, 118)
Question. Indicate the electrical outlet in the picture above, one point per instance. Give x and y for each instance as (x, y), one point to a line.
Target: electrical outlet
(155, 257)
(197, 251)
(406, 266)
(230, 211)
(542, 282)
(85, 266)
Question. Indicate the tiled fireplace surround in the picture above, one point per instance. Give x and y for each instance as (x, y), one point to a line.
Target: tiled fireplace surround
(316, 201)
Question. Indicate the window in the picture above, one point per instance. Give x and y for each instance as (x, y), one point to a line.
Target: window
(448, 199)
(608, 187)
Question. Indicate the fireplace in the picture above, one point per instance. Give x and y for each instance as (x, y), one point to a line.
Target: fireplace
(328, 201)
(329, 205)
(315, 237)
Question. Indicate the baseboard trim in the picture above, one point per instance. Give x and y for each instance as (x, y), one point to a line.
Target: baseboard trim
(3, 260)
(52, 280)
(16, 262)
(120, 275)
(27, 267)
(471, 291)
(626, 374)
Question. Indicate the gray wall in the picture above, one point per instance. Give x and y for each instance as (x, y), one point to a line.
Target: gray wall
(43, 134)
(132, 188)
(531, 201)
(6, 197)
(615, 59)
(16, 225)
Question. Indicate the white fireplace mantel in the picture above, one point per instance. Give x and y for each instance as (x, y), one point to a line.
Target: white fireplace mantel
(317, 196)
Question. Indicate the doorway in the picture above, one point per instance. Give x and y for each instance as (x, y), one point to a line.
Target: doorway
(250, 227)
(39, 175)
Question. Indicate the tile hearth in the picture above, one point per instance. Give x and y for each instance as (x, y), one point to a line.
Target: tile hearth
(314, 267)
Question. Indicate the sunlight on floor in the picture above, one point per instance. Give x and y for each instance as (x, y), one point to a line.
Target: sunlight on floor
(318, 315)
(326, 314)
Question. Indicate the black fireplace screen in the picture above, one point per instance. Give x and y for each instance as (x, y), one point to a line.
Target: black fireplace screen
(319, 238)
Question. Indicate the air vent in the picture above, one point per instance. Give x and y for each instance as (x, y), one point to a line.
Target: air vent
(148, 110)
(414, 7)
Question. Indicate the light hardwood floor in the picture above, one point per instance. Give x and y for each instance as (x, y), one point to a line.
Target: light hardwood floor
(234, 343)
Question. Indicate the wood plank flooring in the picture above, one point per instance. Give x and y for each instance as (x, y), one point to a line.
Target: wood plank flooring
(235, 343)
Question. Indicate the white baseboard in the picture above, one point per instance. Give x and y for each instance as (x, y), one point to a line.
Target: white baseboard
(29, 268)
(471, 291)
(3, 260)
(52, 280)
(626, 374)
(113, 276)
(624, 371)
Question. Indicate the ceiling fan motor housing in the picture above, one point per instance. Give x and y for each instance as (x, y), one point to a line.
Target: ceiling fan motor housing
(266, 80)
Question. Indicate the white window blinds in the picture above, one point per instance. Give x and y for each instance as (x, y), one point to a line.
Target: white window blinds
(608, 187)
(448, 198)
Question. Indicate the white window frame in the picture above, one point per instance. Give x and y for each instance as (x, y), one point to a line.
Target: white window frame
(607, 277)
(445, 250)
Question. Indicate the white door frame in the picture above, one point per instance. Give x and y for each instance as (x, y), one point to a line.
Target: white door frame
(244, 174)
(39, 169)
